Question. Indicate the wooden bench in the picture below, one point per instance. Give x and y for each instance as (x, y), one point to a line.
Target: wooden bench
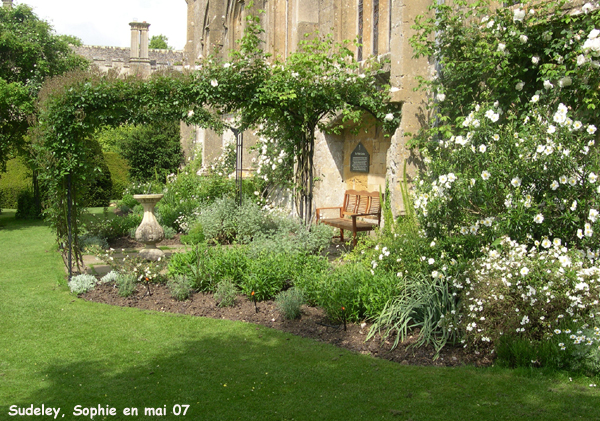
(357, 204)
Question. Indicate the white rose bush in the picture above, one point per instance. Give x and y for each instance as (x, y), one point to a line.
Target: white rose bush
(511, 195)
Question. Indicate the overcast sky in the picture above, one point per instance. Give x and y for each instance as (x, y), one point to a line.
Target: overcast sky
(106, 22)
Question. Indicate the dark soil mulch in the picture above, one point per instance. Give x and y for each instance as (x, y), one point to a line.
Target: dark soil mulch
(313, 322)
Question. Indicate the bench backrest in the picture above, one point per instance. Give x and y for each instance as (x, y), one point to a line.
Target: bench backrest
(360, 202)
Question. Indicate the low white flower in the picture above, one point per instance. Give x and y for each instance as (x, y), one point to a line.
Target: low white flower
(588, 231)
(516, 182)
(539, 218)
(593, 215)
(431, 261)
(573, 206)
(551, 129)
(591, 129)
(482, 148)
(592, 177)
(554, 185)
(535, 98)
(226, 65)
(524, 271)
(546, 243)
(485, 175)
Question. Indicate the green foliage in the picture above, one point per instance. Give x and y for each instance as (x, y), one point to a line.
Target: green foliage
(82, 283)
(226, 293)
(126, 283)
(28, 206)
(289, 302)
(152, 151)
(194, 236)
(207, 266)
(109, 277)
(119, 173)
(97, 190)
(30, 52)
(426, 304)
(110, 227)
(180, 287)
(92, 242)
(159, 42)
(15, 180)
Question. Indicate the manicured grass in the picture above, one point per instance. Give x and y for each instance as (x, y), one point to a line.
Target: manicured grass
(61, 351)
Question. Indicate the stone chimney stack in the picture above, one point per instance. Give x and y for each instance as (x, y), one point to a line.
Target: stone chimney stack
(139, 62)
(7, 3)
(139, 41)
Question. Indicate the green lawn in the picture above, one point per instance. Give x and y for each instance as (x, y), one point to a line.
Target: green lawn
(60, 351)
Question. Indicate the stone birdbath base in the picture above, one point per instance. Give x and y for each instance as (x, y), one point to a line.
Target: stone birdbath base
(149, 232)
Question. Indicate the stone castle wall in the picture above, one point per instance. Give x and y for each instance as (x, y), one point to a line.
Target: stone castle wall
(119, 59)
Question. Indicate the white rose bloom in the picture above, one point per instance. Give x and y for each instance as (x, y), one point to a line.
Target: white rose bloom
(519, 86)
(214, 83)
(548, 85)
(523, 39)
(592, 46)
(535, 59)
(389, 117)
(518, 15)
(580, 60)
(565, 81)
(440, 97)
(501, 47)
(594, 34)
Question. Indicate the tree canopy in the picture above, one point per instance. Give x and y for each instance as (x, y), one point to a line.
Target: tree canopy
(159, 42)
(30, 52)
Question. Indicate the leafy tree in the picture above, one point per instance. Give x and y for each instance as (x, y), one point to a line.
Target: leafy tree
(159, 42)
(29, 52)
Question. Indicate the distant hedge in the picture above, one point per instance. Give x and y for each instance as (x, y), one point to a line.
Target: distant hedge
(13, 182)
(119, 173)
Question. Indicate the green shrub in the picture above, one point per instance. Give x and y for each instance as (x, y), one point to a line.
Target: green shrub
(15, 180)
(119, 173)
(126, 283)
(194, 236)
(27, 206)
(180, 287)
(82, 283)
(152, 151)
(225, 293)
(219, 221)
(289, 302)
(207, 266)
(97, 191)
(87, 242)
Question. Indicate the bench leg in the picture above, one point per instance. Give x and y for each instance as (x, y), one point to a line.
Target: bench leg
(341, 235)
(354, 238)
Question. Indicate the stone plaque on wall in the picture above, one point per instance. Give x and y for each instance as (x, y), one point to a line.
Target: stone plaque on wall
(359, 159)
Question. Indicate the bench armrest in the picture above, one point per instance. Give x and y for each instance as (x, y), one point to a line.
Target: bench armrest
(356, 215)
(329, 208)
